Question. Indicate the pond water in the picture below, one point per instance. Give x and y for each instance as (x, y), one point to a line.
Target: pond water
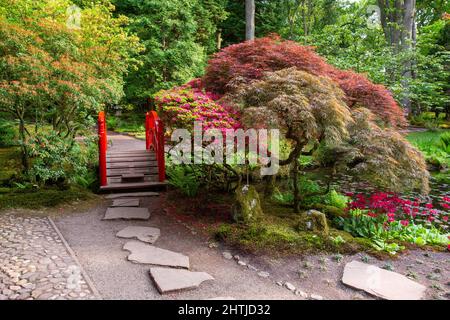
(439, 190)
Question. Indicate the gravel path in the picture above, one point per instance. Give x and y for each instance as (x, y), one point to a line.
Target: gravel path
(102, 256)
(100, 252)
(35, 263)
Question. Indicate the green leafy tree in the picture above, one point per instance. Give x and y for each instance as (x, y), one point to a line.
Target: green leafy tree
(177, 35)
(58, 76)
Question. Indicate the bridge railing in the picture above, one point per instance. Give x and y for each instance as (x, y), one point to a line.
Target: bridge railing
(102, 148)
(154, 139)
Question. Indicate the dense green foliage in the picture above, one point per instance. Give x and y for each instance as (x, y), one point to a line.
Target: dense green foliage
(56, 75)
(177, 35)
(435, 145)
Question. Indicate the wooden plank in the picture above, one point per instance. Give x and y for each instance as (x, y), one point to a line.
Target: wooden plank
(135, 164)
(128, 151)
(131, 186)
(128, 154)
(130, 159)
(120, 172)
(147, 178)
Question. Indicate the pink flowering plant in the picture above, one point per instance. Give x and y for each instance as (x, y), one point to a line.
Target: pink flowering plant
(181, 106)
(385, 217)
(406, 211)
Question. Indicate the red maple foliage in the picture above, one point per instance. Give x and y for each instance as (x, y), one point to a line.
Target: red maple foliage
(251, 59)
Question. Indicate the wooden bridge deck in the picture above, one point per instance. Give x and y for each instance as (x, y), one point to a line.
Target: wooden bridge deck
(132, 170)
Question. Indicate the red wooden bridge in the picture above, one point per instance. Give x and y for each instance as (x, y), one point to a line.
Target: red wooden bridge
(133, 169)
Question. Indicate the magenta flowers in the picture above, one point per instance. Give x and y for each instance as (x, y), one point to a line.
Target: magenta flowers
(396, 208)
(183, 105)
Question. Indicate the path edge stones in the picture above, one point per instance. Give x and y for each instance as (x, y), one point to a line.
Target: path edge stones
(88, 280)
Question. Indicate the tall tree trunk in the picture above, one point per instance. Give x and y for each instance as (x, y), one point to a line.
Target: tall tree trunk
(249, 19)
(399, 26)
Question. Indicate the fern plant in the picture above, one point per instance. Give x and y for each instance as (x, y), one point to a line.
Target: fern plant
(184, 179)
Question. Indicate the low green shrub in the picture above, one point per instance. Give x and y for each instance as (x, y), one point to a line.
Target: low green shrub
(183, 178)
(435, 146)
(337, 200)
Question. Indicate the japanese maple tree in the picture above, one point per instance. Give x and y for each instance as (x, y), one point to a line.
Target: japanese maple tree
(251, 59)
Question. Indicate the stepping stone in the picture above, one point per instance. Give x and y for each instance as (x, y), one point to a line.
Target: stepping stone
(133, 202)
(132, 194)
(126, 213)
(145, 234)
(169, 280)
(381, 283)
(148, 254)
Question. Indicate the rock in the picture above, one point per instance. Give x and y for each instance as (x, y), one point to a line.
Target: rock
(236, 257)
(145, 234)
(314, 221)
(381, 283)
(130, 202)
(247, 208)
(7, 292)
(15, 288)
(45, 296)
(36, 293)
(148, 254)
(227, 255)
(279, 283)
(127, 213)
(253, 268)
(45, 261)
(316, 297)
(241, 263)
(169, 280)
(301, 293)
(289, 286)
(263, 274)
(213, 245)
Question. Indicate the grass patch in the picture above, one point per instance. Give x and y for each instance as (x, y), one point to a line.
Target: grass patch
(35, 199)
(422, 138)
(430, 144)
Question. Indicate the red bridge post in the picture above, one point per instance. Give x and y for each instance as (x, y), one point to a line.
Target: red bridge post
(154, 136)
(102, 147)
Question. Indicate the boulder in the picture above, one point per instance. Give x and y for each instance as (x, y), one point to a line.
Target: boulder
(247, 208)
(382, 283)
(314, 221)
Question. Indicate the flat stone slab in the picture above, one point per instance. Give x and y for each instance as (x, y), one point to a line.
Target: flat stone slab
(381, 283)
(131, 202)
(131, 194)
(148, 254)
(170, 280)
(127, 213)
(145, 234)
